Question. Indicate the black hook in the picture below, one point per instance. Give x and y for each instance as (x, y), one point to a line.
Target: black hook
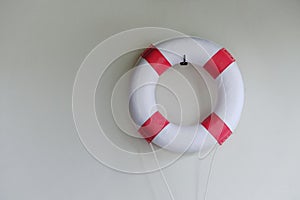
(184, 61)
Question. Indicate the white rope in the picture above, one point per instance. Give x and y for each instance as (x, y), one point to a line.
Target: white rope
(199, 159)
(209, 173)
(162, 174)
(147, 176)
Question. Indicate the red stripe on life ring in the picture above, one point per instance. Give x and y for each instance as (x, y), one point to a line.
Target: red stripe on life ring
(218, 63)
(217, 128)
(152, 127)
(156, 59)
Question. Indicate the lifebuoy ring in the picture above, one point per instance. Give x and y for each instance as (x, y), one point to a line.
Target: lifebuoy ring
(218, 63)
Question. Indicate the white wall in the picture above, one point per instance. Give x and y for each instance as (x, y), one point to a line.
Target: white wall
(42, 44)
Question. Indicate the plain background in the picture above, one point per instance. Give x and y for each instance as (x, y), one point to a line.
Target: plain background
(42, 44)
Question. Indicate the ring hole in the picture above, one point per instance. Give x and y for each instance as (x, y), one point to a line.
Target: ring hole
(190, 100)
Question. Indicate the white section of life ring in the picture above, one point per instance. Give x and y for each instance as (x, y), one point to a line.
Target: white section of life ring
(218, 126)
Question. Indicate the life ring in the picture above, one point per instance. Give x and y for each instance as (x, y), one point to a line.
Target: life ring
(226, 112)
